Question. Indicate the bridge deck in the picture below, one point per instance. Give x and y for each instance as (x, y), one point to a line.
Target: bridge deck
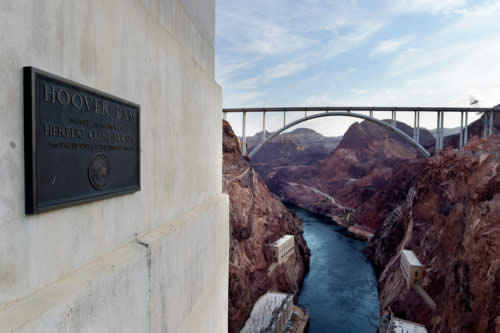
(360, 108)
(350, 111)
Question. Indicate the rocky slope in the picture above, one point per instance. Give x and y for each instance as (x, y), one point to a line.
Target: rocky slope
(450, 218)
(342, 185)
(301, 146)
(257, 219)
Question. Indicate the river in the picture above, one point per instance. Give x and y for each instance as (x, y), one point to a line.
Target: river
(340, 290)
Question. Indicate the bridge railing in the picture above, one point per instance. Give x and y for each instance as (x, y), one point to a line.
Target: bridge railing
(440, 112)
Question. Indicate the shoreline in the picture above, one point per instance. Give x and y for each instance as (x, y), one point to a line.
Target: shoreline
(355, 230)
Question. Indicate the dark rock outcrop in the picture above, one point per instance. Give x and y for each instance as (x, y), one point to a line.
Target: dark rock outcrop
(302, 146)
(450, 218)
(257, 219)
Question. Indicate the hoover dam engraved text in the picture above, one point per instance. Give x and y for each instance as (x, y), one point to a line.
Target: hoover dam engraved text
(74, 135)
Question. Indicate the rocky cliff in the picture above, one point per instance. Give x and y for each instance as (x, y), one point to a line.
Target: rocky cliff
(344, 184)
(301, 146)
(257, 219)
(450, 218)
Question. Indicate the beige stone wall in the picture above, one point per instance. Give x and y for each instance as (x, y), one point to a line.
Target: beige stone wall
(120, 264)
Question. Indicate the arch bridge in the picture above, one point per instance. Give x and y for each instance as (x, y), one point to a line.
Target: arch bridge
(354, 112)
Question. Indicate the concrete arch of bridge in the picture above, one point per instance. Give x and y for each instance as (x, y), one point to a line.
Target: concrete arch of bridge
(395, 130)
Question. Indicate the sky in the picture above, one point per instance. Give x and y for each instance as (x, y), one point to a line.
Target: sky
(356, 53)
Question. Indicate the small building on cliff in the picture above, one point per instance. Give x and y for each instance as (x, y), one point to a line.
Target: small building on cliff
(411, 267)
(283, 249)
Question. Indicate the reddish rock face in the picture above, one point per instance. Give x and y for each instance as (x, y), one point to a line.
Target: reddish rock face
(257, 219)
(344, 185)
(302, 146)
(451, 220)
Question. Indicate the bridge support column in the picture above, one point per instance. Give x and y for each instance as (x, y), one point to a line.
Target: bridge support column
(461, 140)
(442, 129)
(371, 113)
(415, 125)
(284, 118)
(438, 131)
(264, 126)
(466, 131)
(244, 135)
(418, 126)
(485, 124)
(393, 121)
(490, 125)
(305, 114)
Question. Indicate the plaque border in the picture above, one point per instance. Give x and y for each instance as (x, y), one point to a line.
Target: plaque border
(30, 145)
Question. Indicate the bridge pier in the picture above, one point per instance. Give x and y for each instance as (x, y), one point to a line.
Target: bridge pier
(244, 135)
(393, 119)
(461, 140)
(415, 125)
(440, 131)
(437, 130)
(441, 143)
(488, 123)
(466, 132)
(264, 126)
(418, 127)
(491, 123)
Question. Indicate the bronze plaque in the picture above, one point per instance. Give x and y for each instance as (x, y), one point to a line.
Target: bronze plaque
(80, 144)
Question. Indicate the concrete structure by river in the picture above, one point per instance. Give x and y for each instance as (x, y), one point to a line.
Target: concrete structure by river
(152, 261)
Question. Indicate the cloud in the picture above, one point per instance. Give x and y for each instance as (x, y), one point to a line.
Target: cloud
(335, 53)
(426, 6)
(390, 46)
(244, 98)
(264, 41)
(283, 70)
(272, 39)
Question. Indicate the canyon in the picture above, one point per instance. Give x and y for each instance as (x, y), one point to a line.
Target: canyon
(257, 219)
(446, 209)
(450, 219)
(342, 182)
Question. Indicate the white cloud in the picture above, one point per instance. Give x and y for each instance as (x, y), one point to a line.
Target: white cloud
(348, 41)
(390, 46)
(244, 99)
(455, 58)
(276, 39)
(272, 39)
(431, 6)
(283, 70)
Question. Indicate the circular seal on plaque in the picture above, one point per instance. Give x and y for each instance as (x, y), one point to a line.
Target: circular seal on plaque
(99, 170)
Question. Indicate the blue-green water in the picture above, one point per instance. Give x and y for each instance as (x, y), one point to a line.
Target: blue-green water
(340, 290)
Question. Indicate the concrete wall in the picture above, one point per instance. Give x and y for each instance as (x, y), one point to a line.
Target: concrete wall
(153, 261)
